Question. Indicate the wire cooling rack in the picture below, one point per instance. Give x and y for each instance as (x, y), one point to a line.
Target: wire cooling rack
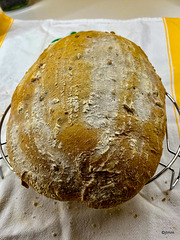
(175, 155)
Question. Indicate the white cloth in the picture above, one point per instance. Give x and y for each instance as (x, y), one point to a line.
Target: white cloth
(24, 214)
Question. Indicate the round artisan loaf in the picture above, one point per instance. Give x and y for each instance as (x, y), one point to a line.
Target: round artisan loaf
(88, 121)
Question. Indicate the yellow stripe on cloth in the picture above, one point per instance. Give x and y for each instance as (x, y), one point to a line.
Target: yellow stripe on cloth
(172, 29)
(5, 25)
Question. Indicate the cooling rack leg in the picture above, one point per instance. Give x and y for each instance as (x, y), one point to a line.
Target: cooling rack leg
(174, 182)
(1, 173)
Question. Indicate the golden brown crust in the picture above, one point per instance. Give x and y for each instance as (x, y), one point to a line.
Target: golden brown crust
(88, 120)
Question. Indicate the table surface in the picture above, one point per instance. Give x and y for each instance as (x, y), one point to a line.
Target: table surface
(113, 9)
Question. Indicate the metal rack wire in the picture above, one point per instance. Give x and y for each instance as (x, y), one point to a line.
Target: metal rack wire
(173, 182)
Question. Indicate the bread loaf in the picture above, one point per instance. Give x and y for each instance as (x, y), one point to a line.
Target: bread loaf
(88, 120)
